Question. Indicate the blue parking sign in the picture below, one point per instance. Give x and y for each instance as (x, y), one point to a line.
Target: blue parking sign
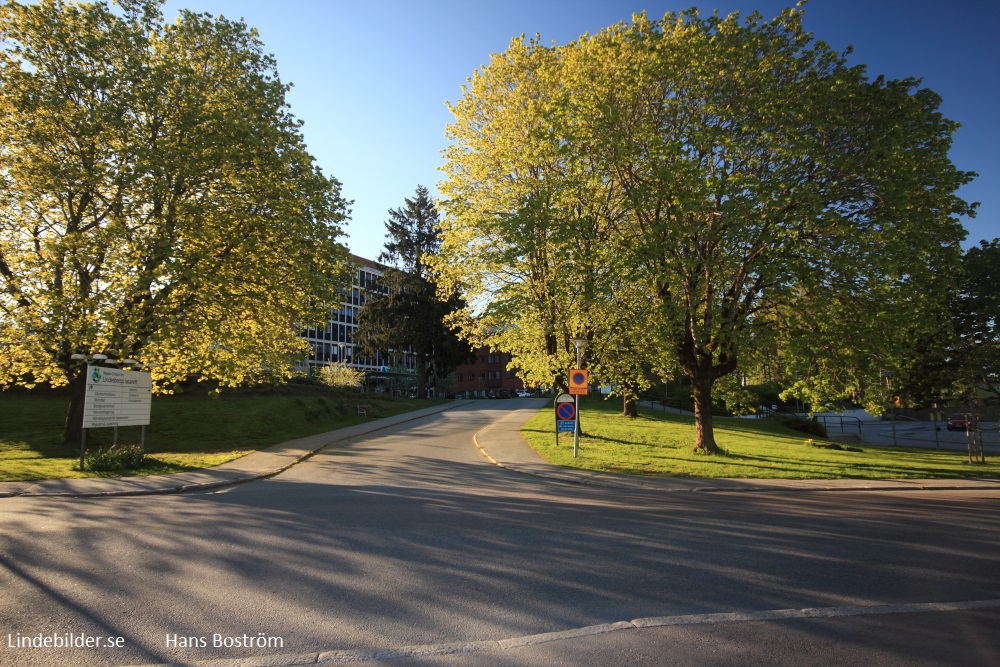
(565, 426)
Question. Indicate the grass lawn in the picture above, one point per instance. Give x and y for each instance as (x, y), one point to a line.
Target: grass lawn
(659, 444)
(186, 432)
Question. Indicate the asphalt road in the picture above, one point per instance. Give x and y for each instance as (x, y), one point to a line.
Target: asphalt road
(407, 547)
(926, 435)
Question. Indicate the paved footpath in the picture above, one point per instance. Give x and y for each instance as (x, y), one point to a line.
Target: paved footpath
(500, 442)
(258, 465)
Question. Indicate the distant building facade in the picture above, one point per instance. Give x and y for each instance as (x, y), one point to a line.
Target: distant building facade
(490, 372)
(335, 343)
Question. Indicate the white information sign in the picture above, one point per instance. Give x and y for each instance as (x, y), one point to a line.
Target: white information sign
(116, 397)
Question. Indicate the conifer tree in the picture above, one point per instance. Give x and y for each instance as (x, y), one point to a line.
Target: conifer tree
(407, 313)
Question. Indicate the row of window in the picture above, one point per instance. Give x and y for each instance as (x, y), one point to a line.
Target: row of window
(367, 284)
(333, 343)
(337, 333)
(368, 280)
(323, 354)
(486, 375)
(495, 358)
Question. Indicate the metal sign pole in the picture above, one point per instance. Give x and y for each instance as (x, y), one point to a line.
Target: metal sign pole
(578, 343)
(577, 385)
(576, 428)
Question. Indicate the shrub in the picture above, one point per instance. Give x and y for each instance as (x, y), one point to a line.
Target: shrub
(339, 375)
(803, 425)
(115, 458)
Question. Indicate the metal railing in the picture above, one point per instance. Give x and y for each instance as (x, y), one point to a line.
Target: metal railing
(841, 421)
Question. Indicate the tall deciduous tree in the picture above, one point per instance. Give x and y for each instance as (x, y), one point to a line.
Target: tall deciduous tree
(527, 235)
(156, 197)
(408, 314)
(757, 185)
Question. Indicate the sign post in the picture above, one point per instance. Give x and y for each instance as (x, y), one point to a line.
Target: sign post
(115, 397)
(579, 385)
(565, 415)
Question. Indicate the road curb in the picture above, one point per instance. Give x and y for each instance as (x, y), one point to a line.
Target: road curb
(452, 648)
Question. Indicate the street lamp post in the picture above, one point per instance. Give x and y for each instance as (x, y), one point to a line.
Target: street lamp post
(579, 344)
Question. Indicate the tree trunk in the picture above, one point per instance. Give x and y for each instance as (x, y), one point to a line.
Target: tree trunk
(704, 438)
(703, 367)
(629, 407)
(421, 379)
(73, 428)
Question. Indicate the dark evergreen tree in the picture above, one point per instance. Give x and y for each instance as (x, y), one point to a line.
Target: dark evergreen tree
(959, 356)
(407, 313)
(976, 313)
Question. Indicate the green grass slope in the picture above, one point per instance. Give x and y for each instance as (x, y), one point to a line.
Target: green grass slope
(186, 432)
(661, 445)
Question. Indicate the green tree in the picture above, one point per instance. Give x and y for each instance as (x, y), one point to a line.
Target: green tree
(976, 318)
(757, 185)
(156, 198)
(526, 238)
(407, 313)
(627, 354)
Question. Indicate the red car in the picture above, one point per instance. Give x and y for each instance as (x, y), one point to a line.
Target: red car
(957, 423)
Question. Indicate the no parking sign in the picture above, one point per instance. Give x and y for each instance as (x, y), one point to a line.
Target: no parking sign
(565, 414)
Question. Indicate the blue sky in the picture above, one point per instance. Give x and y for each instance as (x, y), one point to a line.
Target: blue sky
(371, 79)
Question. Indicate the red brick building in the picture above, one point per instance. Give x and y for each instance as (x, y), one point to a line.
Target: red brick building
(490, 372)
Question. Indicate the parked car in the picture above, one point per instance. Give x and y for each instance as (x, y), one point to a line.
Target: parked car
(524, 393)
(957, 423)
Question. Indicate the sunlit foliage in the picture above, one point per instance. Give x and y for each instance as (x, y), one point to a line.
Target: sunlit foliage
(679, 191)
(156, 197)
